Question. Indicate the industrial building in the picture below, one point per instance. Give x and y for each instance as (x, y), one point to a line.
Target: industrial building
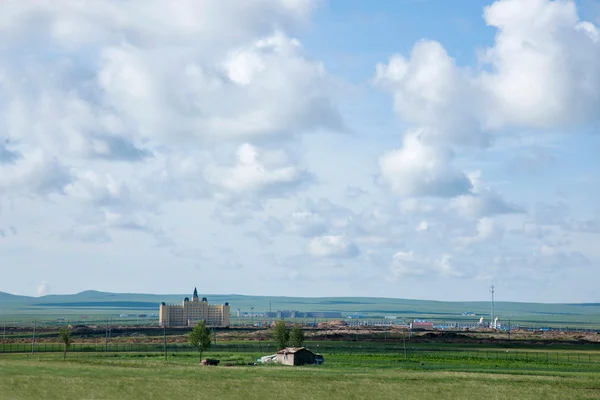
(302, 314)
(190, 312)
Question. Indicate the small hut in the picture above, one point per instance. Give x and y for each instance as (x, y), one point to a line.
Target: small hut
(298, 356)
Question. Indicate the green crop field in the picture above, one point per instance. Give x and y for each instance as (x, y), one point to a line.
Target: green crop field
(343, 376)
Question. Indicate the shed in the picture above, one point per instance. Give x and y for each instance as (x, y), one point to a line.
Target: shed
(298, 356)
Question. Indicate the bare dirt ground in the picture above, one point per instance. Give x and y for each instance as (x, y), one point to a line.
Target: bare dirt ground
(330, 332)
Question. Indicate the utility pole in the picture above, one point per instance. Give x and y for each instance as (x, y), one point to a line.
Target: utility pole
(509, 327)
(165, 339)
(33, 338)
(269, 312)
(404, 344)
(252, 316)
(106, 337)
(492, 314)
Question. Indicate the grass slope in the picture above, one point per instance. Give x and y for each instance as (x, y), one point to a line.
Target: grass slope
(151, 378)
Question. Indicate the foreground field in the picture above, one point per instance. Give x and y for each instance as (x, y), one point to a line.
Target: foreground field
(342, 377)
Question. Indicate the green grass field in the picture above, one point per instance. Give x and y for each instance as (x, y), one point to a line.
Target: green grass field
(343, 376)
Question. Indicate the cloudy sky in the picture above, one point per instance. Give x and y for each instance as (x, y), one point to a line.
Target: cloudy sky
(407, 148)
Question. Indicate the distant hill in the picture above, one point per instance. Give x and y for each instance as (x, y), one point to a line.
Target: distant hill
(12, 297)
(105, 303)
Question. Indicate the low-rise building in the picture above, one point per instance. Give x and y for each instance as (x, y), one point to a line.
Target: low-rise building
(298, 356)
(190, 312)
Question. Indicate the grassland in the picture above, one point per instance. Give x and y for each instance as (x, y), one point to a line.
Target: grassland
(100, 305)
(343, 376)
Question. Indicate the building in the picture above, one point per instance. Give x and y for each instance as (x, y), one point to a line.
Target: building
(324, 314)
(421, 326)
(298, 356)
(190, 312)
(302, 314)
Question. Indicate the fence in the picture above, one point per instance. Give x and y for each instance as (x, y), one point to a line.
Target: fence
(269, 348)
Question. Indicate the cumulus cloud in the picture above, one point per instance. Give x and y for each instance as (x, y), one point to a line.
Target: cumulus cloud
(191, 79)
(543, 71)
(483, 203)
(487, 230)
(431, 92)
(332, 247)
(123, 107)
(36, 173)
(545, 65)
(99, 189)
(409, 264)
(419, 170)
(256, 170)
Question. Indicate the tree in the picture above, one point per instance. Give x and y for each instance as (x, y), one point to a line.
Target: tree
(66, 338)
(199, 337)
(281, 334)
(297, 336)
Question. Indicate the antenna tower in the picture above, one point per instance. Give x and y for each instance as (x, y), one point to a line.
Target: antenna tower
(492, 314)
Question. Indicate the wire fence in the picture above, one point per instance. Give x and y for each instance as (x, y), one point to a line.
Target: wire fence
(269, 348)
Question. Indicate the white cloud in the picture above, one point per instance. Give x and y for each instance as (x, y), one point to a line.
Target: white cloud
(423, 226)
(43, 288)
(110, 84)
(419, 170)
(333, 247)
(35, 173)
(407, 264)
(485, 203)
(99, 189)
(157, 130)
(542, 71)
(487, 230)
(307, 224)
(431, 92)
(256, 171)
(545, 65)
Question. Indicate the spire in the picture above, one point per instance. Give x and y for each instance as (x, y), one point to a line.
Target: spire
(195, 293)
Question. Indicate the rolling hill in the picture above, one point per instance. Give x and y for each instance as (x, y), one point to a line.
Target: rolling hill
(105, 303)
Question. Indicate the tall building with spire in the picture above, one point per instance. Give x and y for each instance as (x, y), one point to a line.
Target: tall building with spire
(190, 312)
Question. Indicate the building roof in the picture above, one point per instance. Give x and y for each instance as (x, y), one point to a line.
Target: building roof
(195, 292)
(291, 350)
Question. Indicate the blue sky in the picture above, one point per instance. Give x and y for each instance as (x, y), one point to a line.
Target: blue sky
(415, 148)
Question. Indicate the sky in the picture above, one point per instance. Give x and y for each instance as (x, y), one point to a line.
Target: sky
(409, 148)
